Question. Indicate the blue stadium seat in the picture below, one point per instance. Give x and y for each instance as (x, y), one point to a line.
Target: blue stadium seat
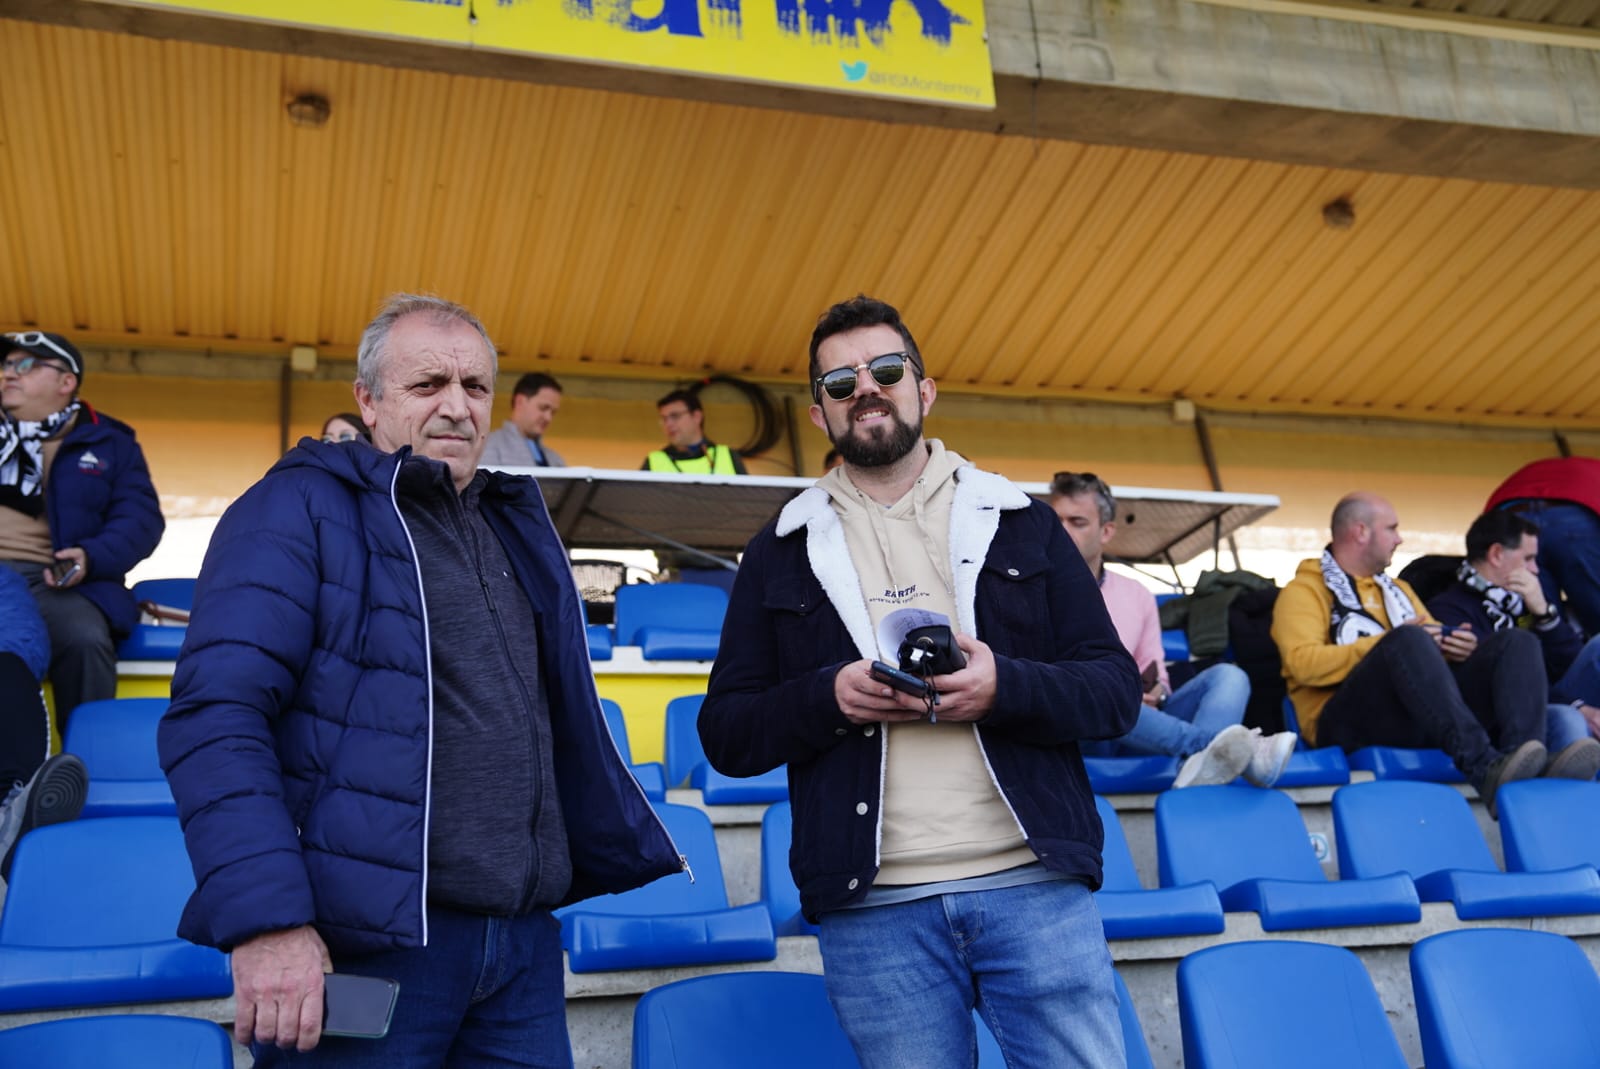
(90, 915)
(127, 1041)
(778, 892)
(1174, 642)
(686, 763)
(735, 1020)
(1267, 1005)
(1253, 846)
(672, 921)
(599, 636)
(173, 593)
(671, 621)
(1395, 762)
(1133, 774)
(1494, 998)
(1129, 911)
(1549, 824)
(1325, 767)
(650, 775)
(116, 739)
(1428, 832)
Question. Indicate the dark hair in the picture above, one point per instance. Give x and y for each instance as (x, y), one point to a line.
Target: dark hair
(688, 397)
(1071, 484)
(1497, 528)
(352, 419)
(533, 382)
(860, 311)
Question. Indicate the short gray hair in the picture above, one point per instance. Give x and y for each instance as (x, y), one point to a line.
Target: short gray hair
(375, 339)
(1072, 484)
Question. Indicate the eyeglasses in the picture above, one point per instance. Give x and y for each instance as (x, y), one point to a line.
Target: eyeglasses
(886, 370)
(38, 337)
(21, 365)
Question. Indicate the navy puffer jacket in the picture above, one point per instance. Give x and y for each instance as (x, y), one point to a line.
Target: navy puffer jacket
(298, 742)
(100, 497)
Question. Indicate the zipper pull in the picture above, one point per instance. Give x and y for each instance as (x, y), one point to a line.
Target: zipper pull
(683, 860)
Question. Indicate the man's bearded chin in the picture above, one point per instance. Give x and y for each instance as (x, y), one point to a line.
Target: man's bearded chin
(876, 448)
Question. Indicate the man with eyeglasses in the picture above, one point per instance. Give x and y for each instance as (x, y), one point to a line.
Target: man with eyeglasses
(1201, 720)
(948, 852)
(79, 512)
(683, 420)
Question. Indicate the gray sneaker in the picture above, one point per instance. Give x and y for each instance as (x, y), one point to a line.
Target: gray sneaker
(1579, 760)
(1270, 755)
(1525, 762)
(1224, 757)
(55, 794)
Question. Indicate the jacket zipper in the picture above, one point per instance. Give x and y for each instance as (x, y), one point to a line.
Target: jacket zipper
(427, 656)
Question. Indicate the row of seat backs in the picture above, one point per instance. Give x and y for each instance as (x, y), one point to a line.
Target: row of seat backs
(1399, 844)
(781, 1020)
(1486, 998)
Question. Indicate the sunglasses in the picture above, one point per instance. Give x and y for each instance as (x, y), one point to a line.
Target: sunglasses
(29, 338)
(21, 365)
(886, 370)
(342, 436)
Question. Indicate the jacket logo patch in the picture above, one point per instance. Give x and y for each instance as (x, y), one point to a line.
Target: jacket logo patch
(89, 462)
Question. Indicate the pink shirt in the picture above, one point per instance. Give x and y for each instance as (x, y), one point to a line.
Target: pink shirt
(1133, 611)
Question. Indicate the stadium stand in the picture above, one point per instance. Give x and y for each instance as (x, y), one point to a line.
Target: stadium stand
(651, 776)
(686, 763)
(89, 918)
(676, 920)
(671, 621)
(1130, 911)
(1252, 844)
(1502, 999)
(116, 740)
(1265, 1005)
(127, 1041)
(1427, 831)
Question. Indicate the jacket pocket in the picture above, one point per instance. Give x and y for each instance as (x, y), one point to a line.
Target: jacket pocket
(792, 603)
(1013, 612)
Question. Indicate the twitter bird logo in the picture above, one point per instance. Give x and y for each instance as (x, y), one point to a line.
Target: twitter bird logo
(854, 72)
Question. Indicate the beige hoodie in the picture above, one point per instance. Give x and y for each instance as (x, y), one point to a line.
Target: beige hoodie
(943, 817)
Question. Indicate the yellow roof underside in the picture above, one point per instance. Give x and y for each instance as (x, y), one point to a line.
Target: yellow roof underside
(155, 193)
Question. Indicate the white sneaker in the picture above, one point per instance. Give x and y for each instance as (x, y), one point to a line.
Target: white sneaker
(1270, 756)
(1224, 757)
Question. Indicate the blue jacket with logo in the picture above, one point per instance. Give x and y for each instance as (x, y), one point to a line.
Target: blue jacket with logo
(797, 616)
(299, 740)
(99, 496)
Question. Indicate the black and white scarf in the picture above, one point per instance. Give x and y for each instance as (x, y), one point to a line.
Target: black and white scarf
(1505, 607)
(1350, 619)
(22, 458)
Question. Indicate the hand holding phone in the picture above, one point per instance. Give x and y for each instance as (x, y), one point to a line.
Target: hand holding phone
(904, 682)
(69, 573)
(358, 1006)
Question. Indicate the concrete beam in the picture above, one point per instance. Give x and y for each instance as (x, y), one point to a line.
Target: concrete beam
(1161, 74)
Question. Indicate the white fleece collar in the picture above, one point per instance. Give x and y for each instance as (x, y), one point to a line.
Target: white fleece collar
(980, 497)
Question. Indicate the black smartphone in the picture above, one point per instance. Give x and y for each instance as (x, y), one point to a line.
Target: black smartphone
(64, 576)
(904, 682)
(358, 1006)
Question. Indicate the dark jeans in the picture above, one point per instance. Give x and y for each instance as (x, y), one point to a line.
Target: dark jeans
(24, 723)
(1569, 556)
(1404, 693)
(83, 659)
(485, 991)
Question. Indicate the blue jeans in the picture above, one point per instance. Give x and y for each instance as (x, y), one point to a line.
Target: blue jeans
(1582, 677)
(1195, 712)
(904, 979)
(485, 991)
(1569, 557)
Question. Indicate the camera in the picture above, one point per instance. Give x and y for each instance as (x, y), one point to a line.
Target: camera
(931, 651)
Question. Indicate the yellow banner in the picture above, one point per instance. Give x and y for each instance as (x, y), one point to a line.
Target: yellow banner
(931, 50)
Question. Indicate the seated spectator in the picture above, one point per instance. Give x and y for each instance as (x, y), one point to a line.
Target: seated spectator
(1562, 495)
(77, 511)
(34, 790)
(345, 427)
(1496, 589)
(687, 449)
(520, 441)
(1200, 721)
(1367, 666)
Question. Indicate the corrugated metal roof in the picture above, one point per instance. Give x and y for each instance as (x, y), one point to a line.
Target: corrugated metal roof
(156, 191)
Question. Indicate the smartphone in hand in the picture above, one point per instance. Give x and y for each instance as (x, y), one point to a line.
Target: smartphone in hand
(904, 682)
(358, 1006)
(67, 574)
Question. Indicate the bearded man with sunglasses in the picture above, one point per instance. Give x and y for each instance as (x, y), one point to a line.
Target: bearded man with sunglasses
(79, 512)
(948, 852)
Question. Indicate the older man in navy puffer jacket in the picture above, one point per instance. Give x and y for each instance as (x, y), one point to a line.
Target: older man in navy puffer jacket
(384, 739)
